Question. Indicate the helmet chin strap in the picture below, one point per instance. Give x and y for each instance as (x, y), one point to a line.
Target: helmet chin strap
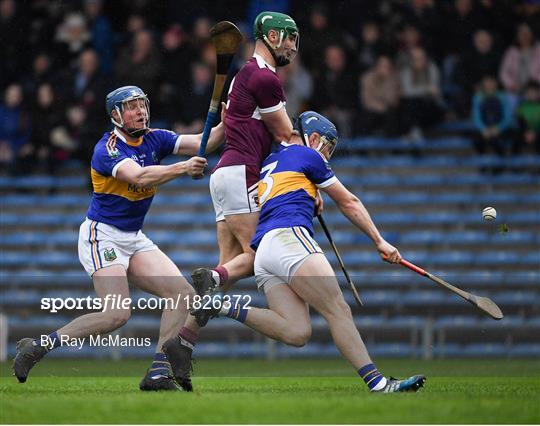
(135, 133)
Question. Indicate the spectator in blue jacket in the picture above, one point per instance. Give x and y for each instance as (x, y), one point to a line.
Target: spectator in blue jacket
(492, 116)
(14, 128)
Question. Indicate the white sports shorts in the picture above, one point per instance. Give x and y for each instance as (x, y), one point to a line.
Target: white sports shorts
(279, 255)
(102, 245)
(230, 192)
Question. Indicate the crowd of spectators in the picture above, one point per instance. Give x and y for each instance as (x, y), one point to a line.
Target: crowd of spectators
(389, 68)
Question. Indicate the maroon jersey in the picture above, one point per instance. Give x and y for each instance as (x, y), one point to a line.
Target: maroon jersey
(255, 88)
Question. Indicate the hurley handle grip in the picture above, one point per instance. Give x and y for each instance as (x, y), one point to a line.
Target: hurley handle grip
(413, 267)
(210, 118)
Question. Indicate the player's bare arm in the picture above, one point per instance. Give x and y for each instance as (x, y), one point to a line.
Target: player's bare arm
(278, 124)
(133, 173)
(351, 206)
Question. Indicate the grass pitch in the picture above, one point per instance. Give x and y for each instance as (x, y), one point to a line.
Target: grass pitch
(289, 391)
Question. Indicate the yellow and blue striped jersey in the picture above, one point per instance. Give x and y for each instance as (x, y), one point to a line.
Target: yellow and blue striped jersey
(290, 177)
(118, 203)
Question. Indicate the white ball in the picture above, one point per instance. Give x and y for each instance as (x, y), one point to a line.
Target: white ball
(489, 213)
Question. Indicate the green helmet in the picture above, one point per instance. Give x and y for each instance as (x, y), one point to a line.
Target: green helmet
(266, 21)
(284, 25)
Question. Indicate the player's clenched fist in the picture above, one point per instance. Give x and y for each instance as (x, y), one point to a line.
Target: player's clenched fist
(388, 252)
(195, 166)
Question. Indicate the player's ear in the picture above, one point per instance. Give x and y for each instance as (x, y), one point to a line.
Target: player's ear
(273, 36)
(115, 115)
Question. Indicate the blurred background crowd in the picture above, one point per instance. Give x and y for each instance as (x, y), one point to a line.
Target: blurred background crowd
(392, 68)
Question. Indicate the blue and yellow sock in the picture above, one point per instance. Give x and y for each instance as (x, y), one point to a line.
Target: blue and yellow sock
(160, 365)
(372, 377)
(236, 311)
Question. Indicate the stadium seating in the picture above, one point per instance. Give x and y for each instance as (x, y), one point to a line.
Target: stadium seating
(429, 206)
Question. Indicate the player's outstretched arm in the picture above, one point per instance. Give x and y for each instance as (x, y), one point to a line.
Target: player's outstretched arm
(133, 173)
(351, 206)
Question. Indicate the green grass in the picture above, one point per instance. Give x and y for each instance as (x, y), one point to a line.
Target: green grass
(292, 391)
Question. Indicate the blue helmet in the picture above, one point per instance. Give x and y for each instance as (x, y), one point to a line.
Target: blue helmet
(117, 99)
(310, 122)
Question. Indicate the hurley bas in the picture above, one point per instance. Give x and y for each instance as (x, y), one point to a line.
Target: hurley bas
(98, 340)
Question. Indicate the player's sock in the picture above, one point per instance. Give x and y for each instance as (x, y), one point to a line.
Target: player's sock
(160, 366)
(236, 311)
(52, 342)
(373, 377)
(220, 275)
(188, 337)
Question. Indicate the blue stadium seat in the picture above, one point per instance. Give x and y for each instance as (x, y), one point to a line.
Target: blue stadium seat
(424, 180)
(497, 198)
(380, 298)
(483, 161)
(466, 237)
(513, 237)
(517, 298)
(447, 143)
(452, 198)
(409, 198)
(193, 258)
(522, 218)
(448, 350)
(455, 321)
(429, 298)
(452, 258)
(50, 258)
(436, 161)
(456, 126)
(497, 258)
(20, 200)
(358, 257)
(513, 179)
(423, 237)
(463, 179)
(404, 321)
(523, 161)
(390, 350)
(532, 198)
(398, 218)
(369, 180)
(525, 350)
(485, 350)
(531, 278)
(20, 298)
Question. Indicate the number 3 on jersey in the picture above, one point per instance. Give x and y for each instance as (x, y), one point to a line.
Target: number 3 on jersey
(267, 180)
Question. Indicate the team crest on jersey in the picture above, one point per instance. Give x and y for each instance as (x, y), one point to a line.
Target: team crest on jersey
(109, 254)
(155, 157)
(113, 152)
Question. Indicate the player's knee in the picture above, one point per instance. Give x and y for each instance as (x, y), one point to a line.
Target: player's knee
(179, 291)
(118, 318)
(298, 336)
(187, 291)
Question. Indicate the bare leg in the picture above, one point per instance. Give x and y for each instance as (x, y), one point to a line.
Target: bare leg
(241, 227)
(287, 320)
(107, 281)
(229, 247)
(154, 272)
(316, 283)
(234, 236)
